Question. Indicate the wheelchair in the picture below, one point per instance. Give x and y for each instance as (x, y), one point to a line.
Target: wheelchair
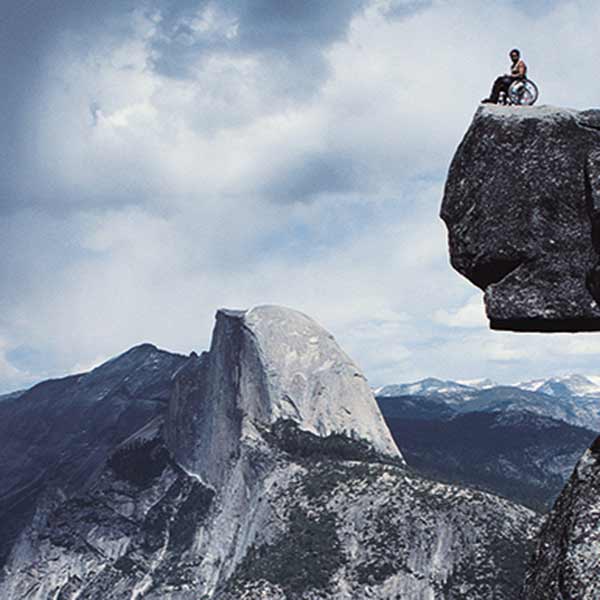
(521, 92)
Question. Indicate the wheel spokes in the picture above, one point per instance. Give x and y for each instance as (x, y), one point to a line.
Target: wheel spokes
(523, 93)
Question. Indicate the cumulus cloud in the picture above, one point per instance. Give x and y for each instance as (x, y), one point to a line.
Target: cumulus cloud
(168, 158)
(293, 32)
(472, 314)
(11, 376)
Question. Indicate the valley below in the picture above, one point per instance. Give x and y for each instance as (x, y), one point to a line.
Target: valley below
(267, 468)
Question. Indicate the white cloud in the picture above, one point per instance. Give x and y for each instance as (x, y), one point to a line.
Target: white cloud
(209, 20)
(583, 344)
(471, 314)
(172, 197)
(11, 378)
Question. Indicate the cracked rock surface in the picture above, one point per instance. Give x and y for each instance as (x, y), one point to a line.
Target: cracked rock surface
(566, 561)
(522, 208)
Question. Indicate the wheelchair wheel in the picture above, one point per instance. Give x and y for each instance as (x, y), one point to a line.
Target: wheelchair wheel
(523, 92)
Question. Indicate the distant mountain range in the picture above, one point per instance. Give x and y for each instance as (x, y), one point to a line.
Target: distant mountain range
(567, 385)
(574, 399)
(519, 441)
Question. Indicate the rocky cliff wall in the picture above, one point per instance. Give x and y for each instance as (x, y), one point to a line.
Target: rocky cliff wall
(522, 207)
(265, 365)
(566, 561)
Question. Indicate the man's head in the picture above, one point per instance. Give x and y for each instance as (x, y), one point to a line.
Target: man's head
(514, 54)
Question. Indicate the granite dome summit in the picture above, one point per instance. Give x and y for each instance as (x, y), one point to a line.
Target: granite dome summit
(265, 365)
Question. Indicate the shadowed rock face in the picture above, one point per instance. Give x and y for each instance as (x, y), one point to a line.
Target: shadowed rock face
(59, 433)
(566, 561)
(522, 207)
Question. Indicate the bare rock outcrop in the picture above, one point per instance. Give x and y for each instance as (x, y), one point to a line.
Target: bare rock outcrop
(566, 562)
(266, 365)
(522, 207)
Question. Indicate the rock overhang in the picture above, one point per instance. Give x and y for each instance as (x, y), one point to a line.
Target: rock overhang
(522, 208)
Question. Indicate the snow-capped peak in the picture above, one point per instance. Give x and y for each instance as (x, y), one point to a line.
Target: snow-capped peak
(424, 387)
(532, 385)
(480, 384)
(570, 385)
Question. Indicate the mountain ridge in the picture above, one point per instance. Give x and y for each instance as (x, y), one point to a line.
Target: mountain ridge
(89, 412)
(555, 397)
(258, 481)
(518, 455)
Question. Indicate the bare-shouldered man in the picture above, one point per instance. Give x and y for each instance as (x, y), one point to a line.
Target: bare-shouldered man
(518, 70)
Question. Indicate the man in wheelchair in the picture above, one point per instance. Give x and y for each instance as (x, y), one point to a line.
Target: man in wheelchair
(518, 70)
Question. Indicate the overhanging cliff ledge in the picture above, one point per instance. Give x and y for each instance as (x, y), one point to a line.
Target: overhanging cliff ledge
(522, 207)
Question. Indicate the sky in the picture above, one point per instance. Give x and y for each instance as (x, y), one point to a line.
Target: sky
(161, 159)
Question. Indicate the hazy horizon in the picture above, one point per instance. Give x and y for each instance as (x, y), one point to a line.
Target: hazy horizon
(595, 379)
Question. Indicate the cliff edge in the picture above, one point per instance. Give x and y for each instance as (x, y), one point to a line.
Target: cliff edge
(522, 207)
